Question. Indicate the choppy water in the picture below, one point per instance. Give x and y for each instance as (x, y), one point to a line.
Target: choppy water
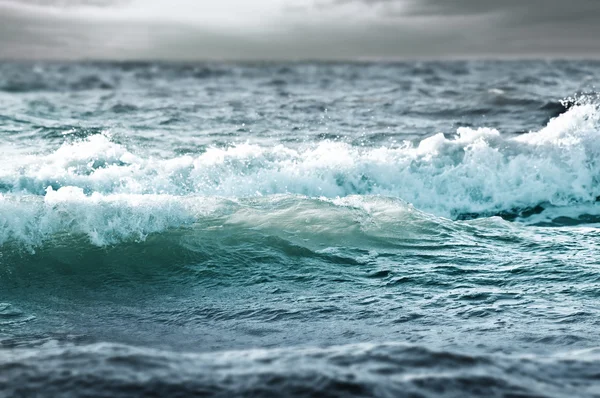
(410, 229)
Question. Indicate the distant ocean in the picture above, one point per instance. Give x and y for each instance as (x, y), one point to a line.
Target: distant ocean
(418, 229)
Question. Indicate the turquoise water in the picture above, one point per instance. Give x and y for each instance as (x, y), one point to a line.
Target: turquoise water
(384, 229)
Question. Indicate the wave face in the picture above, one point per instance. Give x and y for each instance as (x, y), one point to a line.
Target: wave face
(418, 229)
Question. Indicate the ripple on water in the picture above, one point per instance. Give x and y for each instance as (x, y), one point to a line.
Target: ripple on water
(10, 315)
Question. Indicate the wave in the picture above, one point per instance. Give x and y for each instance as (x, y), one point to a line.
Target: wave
(345, 371)
(100, 188)
(120, 218)
(28, 77)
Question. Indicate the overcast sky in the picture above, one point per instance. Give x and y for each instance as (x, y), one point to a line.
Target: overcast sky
(297, 29)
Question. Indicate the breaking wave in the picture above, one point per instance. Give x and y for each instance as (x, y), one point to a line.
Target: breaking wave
(99, 188)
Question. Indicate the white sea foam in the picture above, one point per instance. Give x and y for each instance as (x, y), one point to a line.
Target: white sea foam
(104, 190)
(104, 219)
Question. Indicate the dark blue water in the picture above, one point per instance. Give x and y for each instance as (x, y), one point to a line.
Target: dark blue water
(370, 229)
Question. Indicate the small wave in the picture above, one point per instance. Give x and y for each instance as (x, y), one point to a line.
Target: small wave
(29, 77)
(345, 371)
(56, 78)
(11, 315)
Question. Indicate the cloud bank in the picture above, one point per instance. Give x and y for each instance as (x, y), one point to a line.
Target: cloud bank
(297, 29)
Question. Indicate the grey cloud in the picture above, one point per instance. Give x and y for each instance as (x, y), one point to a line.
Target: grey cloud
(25, 38)
(533, 8)
(502, 27)
(522, 11)
(66, 3)
(404, 29)
(577, 19)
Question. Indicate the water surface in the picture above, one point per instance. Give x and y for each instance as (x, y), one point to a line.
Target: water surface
(363, 229)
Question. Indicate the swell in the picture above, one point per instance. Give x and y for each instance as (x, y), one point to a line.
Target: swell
(348, 370)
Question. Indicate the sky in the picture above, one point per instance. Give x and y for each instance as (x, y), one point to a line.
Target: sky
(297, 29)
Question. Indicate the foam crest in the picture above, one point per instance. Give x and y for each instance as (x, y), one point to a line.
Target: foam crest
(104, 219)
(111, 219)
(476, 172)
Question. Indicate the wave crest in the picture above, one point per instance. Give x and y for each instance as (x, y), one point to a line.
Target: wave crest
(478, 172)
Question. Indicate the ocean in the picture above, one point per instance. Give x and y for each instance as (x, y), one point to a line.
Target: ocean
(385, 229)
